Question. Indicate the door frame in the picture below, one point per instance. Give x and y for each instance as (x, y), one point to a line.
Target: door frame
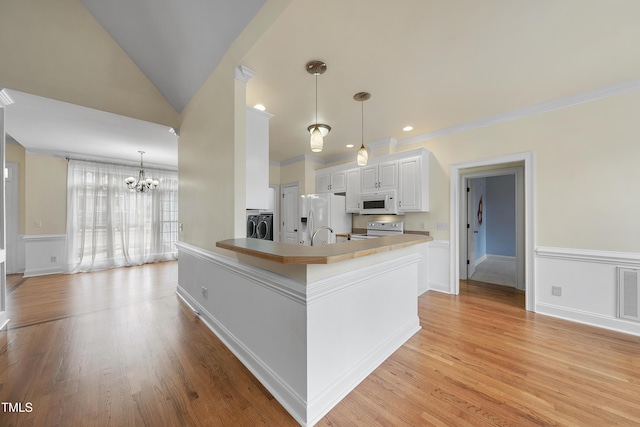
(459, 173)
(276, 211)
(469, 249)
(14, 261)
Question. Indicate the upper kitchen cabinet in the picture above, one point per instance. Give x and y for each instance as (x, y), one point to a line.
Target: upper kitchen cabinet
(257, 134)
(413, 194)
(379, 177)
(331, 181)
(353, 191)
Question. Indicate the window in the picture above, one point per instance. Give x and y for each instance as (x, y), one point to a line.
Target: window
(109, 225)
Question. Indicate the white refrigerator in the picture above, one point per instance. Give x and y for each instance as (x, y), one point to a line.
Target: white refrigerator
(323, 210)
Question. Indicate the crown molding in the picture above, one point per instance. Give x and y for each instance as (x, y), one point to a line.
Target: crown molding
(385, 142)
(243, 73)
(533, 110)
(303, 158)
(5, 99)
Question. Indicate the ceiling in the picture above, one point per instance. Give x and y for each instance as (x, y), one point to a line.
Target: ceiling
(49, 127)
(176, 44)
(427, 63)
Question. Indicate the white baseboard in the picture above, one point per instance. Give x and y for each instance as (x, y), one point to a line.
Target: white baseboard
(33, 272)
(4, 321)
(480, 260)
(605, 322)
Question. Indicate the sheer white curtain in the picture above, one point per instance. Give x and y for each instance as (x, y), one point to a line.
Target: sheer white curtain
(109, 225)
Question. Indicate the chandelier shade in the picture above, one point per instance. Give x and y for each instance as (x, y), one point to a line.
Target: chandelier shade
(142, 184)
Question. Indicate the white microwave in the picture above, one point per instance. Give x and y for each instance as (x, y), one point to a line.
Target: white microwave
(380, 203)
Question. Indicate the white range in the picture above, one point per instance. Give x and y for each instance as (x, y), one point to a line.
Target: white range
(379, 229)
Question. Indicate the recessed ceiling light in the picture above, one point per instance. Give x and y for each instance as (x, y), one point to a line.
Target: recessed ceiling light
(407, 128)
(260, 107)
(349, 145)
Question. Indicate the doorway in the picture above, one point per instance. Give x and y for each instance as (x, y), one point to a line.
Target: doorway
(493, 250)
(460, 173)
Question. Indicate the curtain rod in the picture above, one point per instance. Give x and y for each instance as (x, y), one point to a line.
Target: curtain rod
(135, 165)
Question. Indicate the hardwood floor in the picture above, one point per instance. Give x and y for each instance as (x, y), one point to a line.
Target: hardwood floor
(118, 348)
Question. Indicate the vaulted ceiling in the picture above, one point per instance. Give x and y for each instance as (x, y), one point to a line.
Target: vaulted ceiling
(427, 63)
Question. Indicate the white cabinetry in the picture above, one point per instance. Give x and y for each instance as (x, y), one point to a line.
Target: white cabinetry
(407, 172)
(353, 190)
(413, 194)
(323, 182)
(257, 137)
(331, 181)
(379, 177)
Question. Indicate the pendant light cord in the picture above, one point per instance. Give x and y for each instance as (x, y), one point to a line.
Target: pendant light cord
(362, 130)
(316, 99)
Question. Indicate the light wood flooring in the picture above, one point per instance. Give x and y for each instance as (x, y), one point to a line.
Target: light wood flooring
(118, 348)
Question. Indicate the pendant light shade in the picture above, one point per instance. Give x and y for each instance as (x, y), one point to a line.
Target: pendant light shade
(363, 155)
(316, 140)
(318, 130)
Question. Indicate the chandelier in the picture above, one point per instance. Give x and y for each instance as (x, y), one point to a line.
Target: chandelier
(142, 185)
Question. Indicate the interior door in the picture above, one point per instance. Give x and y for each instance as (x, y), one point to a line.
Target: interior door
(471, 229)
(290, 216)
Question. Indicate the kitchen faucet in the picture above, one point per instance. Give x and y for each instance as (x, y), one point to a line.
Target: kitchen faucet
(318, 229)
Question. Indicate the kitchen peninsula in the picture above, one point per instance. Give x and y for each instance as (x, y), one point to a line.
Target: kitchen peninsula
(310, 322)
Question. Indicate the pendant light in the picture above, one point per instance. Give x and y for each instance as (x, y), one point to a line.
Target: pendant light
(363, 154)
(318, 130)
(143, 184)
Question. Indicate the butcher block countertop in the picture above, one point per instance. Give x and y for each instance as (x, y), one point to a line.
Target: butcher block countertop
(287, 253)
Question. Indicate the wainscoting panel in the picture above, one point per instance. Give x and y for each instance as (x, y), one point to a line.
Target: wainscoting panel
(44, 254)
(581, 285)
(439, 266)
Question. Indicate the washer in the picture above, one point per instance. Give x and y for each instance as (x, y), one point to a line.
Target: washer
(264, 230)
(252, 226)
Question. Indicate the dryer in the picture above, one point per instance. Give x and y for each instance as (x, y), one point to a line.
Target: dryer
(264, 229)
(252, 226)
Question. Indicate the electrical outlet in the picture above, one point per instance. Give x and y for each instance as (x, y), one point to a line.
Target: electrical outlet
(556, 291)
(205, 292)
(54, 259)
(423, 226)
(38, 223)
(442, 226)
(181, 226)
